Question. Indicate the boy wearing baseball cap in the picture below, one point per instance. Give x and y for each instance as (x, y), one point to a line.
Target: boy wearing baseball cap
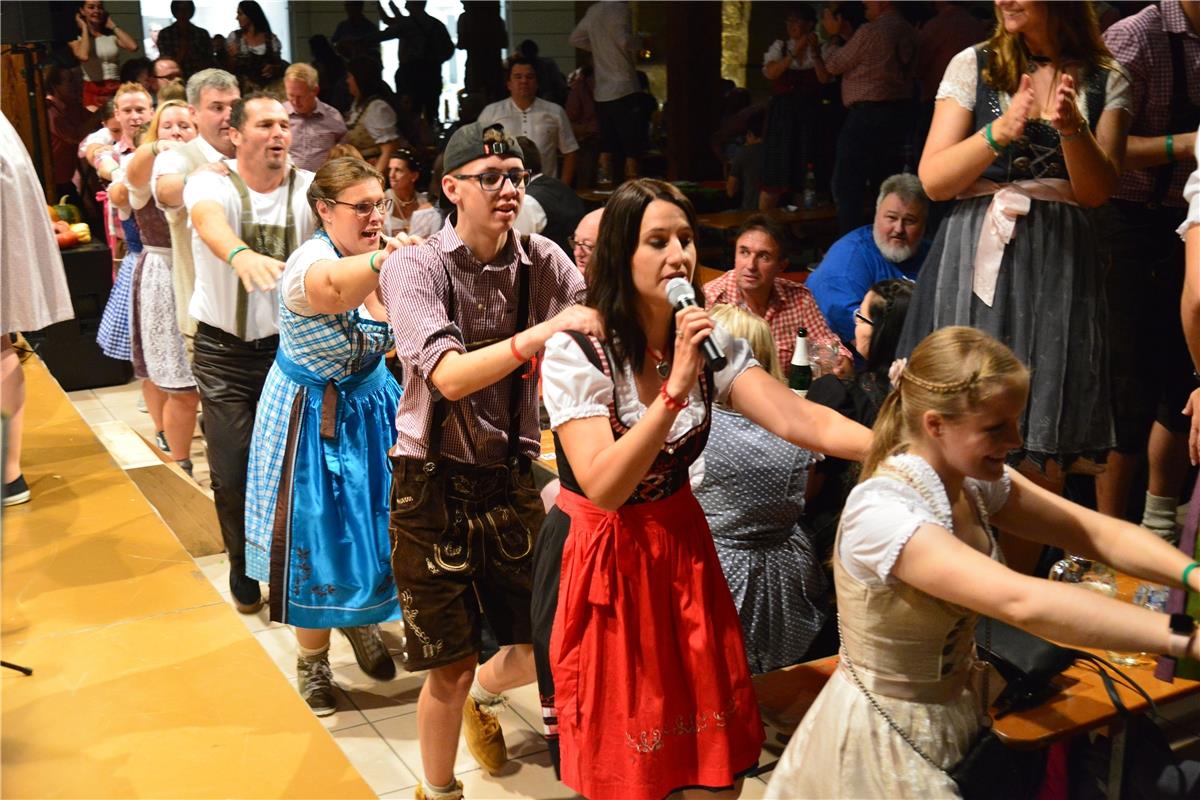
(471, 308)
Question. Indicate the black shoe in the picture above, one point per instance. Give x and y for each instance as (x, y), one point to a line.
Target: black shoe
(247, 594)
(186, 466)
(370, 652)
(160, 440)
(15, 492)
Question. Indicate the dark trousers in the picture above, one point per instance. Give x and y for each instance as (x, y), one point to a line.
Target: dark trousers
(230, 374)
(421, 80)
(547, 572)
(870, 148)
(1149, 362)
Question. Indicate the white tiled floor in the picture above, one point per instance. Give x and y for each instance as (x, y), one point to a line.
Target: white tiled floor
(376, 723)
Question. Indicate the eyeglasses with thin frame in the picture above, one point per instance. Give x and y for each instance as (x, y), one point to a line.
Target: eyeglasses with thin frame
(581, 244)
(363, 210)
(858, 315)
(491, 181)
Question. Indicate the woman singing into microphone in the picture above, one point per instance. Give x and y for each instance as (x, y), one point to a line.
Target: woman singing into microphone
(653, 690)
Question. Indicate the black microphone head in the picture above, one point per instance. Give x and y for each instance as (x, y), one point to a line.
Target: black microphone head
(679, 291)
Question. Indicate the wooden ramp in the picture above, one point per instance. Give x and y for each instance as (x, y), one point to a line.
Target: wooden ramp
(145, 683)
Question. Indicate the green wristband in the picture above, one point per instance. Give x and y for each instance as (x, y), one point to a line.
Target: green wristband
(234, 252)
(1188, 571)
(991, 142)
(1170, 148)
(371, 261)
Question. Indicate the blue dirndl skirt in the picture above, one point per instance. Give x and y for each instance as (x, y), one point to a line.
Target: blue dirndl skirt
(328, 554)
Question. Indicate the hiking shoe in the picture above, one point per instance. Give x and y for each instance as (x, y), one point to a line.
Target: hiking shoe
(370, 652)
(314, 681)
(247, 594)
(484, 738)
(160, 441)
(421, 794)
(15, 492)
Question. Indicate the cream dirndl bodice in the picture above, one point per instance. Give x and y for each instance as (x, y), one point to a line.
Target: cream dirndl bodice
(914, 653)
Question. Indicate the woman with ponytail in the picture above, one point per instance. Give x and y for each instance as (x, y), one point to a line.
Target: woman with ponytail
(915, 563)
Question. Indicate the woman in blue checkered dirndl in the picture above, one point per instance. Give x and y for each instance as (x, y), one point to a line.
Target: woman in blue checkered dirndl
(319, 477)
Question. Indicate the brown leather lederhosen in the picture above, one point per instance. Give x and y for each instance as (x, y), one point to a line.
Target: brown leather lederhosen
(463, 534)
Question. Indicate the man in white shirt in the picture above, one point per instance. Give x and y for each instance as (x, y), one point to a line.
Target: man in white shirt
(210, 95)
(247, 223)
(606, 31)
(526, 114)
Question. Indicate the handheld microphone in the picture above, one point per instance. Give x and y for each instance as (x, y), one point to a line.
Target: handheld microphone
(681, 294)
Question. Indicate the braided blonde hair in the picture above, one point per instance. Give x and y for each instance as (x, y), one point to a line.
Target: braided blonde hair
(953, 371)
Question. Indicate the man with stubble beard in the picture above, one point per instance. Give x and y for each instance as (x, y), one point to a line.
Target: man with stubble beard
(247, 223)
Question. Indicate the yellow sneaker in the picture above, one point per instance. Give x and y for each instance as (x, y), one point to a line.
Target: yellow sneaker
(457, 794)
(484, 738)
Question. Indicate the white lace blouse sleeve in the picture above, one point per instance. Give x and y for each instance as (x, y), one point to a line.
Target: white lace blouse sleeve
(959, 81)
(572, 388)
(380, 121)
(994, 493)
(1117, 93)
(739, 358)
(774, 53)
(291, 288)
(880, 516)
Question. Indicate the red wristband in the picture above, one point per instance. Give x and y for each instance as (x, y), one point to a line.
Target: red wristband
(512, 346)
(533, 360)
(671, 402)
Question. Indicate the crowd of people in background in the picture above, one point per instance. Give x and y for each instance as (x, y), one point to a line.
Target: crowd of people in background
(376, 308)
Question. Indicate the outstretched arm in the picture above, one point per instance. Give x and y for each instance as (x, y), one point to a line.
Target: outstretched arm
(772, 405)
(942, 565)
(1034, 513)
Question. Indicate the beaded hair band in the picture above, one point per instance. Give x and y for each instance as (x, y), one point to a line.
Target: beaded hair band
(939, 388)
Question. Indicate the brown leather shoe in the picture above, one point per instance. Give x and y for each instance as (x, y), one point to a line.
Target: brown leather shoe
(484, 738)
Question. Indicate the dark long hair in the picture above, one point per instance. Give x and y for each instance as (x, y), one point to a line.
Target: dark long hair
(258, 17)
(610, 272)
(888, 309)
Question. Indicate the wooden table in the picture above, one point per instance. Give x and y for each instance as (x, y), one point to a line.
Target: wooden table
(733, 220)
(594, 198)
(1080, 706)
(547, 461)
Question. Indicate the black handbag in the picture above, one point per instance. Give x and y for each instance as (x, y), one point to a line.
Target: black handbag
(1026, 662)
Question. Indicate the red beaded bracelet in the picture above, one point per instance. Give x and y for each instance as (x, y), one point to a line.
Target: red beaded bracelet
(671, 402)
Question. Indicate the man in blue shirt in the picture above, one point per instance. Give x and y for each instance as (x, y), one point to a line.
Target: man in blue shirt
(891, 247)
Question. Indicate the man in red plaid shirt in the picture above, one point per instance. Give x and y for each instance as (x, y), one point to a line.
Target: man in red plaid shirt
(786, 305)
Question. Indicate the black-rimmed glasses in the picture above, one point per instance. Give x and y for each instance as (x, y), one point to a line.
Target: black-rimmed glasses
(491, 181)
(858, 315)
(583, 245)
(363, 210)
